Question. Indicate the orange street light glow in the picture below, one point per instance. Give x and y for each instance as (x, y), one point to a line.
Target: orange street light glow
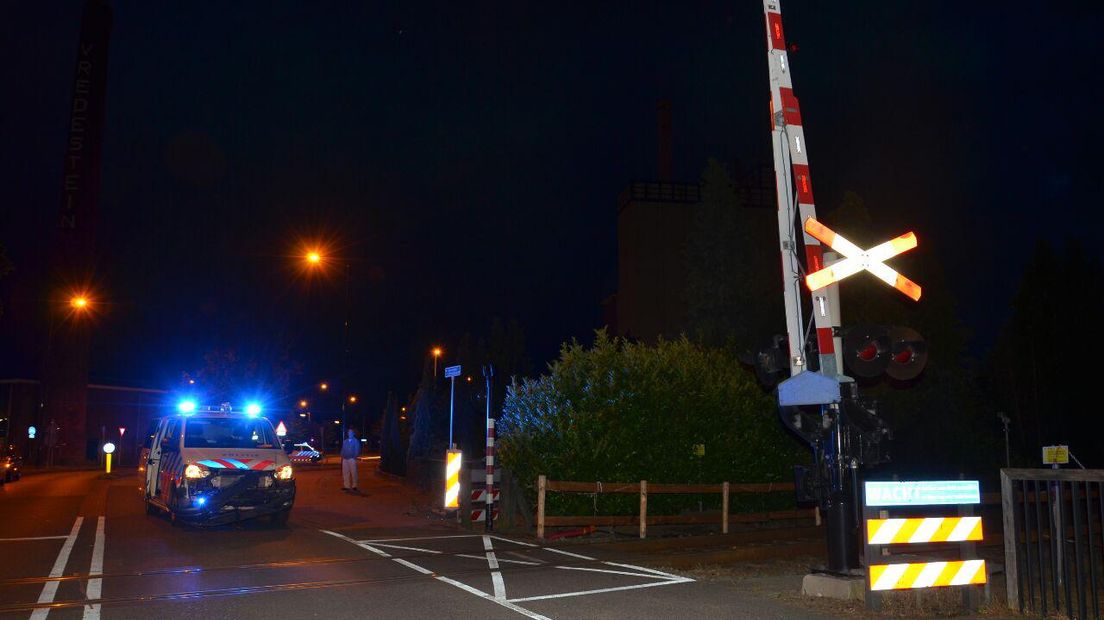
(324, 387)
(856, 260)
(352, 399)
(314, 258)
(303, 404)
(79, 302)
(437, 351)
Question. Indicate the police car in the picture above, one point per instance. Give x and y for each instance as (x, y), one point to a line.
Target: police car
(212, 466)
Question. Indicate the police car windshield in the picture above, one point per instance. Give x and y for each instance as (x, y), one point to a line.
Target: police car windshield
(229, 433)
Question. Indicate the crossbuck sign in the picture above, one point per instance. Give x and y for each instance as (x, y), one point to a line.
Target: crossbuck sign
(857, 259)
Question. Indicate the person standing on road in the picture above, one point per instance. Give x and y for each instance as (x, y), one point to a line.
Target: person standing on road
(350, 450)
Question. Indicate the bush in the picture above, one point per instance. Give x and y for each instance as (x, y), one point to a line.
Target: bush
(621, 411)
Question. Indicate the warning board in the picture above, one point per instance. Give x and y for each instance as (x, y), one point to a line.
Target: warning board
(1055, 455)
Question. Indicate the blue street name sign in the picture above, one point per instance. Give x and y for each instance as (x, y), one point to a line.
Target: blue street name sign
(452, 371)
(922, 492)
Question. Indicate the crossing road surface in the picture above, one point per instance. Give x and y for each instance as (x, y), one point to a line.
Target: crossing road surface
(77, 545)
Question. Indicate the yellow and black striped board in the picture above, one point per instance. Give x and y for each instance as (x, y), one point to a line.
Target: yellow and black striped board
(926, 575)
(929, 530)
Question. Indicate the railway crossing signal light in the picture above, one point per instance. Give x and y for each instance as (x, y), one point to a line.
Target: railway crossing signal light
(873, 350)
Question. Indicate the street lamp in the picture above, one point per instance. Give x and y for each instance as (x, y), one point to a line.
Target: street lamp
(324, 386)
(78, 302)
(436, 354)
(315, 259)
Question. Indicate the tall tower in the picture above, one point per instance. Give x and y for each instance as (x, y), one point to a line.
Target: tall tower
(653, 220)
(65, 361)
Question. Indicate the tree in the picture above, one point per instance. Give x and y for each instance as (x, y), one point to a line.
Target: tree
(1033, 372)
(625, 411)
(392, 456)
(229, 375)
(733, 284)
(940, 420)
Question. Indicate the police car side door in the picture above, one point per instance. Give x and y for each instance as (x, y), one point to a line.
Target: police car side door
(169, 464)
(153, 458)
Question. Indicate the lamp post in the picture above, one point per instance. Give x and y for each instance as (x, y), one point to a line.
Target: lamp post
(315, 259)
(436, 354)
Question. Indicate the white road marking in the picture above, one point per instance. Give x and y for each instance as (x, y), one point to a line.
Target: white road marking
(503, 602)
(411, 565)
(500, 560)
(382, 540)
(516, 542)
(32, 538)
(402, 547)
(568, 553)
(49, 589)
(499, 597)
(666, 582)
(492, 563)
(612, 572)
(647, 570)
(358, 543)
(95, 586)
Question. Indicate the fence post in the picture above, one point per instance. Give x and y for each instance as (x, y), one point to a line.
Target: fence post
(724, 508)
(643, 508)
(541, 484)
(1011, 562)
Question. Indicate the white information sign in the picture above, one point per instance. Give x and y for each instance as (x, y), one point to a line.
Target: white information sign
(922, 492)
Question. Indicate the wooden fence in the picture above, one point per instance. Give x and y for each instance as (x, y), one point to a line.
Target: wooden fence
(643, 488)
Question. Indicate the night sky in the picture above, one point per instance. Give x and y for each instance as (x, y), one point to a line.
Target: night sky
(466, 160)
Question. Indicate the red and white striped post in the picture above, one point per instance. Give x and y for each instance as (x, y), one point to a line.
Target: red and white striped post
(490, 473)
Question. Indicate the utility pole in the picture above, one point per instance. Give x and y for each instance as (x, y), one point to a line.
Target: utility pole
(451, 372)
(345, 349)
(488, 374)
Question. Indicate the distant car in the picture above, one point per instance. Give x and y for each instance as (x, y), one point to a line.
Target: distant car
(11, 464)
(303, 453)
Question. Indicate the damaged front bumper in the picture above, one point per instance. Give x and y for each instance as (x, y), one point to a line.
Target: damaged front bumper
(229, 497)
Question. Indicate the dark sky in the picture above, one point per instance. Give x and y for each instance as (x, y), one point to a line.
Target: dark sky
(467, 159)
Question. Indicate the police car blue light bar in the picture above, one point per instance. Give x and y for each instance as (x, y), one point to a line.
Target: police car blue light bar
(252, 409)
(186, 406)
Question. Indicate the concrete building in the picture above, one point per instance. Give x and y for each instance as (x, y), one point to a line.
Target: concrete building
(109, 408)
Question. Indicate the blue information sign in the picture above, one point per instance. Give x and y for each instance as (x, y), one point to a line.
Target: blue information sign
(452, 371)
(922, 492)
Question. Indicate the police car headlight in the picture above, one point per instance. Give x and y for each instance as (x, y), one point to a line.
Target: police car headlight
(195, 472)
(284, 473)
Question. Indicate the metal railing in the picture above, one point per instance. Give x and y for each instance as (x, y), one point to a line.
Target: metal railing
(1054, 540)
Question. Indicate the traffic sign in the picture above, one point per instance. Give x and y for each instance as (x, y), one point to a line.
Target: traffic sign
(281, 430)
(122, 429)
(108, 448)
(31, 432)
(1055, 455)
(452, 371)
(857, 259)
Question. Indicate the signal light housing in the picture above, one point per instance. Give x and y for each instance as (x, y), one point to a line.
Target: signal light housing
(871, 350)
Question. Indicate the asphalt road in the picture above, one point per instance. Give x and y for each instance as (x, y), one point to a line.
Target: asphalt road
(77, 545)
